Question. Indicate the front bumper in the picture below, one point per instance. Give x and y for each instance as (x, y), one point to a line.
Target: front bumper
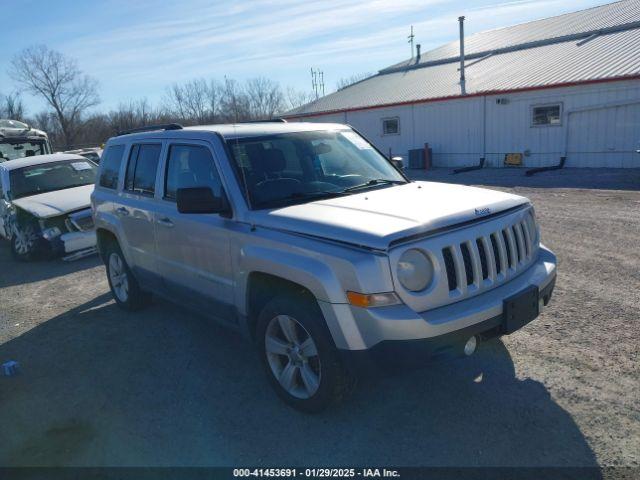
(413, 353)
(74, 245)
(358, 329)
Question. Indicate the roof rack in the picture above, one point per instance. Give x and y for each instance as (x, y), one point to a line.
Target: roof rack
(151, 128)
(271, 120)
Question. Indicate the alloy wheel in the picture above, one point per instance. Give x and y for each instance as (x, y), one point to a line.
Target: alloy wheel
(118, 277)
(24, 239)
(292, 356)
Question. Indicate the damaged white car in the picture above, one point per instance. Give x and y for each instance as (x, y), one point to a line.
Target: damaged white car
(45, 206)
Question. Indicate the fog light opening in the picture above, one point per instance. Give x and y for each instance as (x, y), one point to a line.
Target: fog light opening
(470, 346)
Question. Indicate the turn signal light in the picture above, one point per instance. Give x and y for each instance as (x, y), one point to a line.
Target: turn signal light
(372, 300)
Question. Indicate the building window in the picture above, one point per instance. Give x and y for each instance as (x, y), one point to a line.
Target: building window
(391, 126)
(543, 115)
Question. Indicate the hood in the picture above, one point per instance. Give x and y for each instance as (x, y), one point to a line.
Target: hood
(56, 203)
(378, 217)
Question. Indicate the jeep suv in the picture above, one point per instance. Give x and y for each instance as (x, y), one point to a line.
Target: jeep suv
(311, 242)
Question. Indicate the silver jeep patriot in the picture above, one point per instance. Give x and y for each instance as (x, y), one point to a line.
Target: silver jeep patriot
(311, 242)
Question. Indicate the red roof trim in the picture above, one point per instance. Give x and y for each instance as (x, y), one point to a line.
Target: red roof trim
(458, 97)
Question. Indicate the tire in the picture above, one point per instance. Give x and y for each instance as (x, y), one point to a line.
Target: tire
(24, 242)
(124, 287)
(299, 356)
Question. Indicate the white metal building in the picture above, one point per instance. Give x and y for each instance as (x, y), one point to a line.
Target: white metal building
(566, 86)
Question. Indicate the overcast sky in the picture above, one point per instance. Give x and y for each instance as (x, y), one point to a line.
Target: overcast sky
(137, 47)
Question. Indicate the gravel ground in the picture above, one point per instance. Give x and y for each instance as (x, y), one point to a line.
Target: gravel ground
(162, 387)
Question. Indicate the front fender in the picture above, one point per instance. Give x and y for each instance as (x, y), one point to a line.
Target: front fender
(312, 274)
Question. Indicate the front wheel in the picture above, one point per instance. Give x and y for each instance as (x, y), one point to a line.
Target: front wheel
(299, 356)
(24, 242)
(124, 287)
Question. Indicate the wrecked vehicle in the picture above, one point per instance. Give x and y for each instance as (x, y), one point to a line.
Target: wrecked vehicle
(45, 206)
(19, 140)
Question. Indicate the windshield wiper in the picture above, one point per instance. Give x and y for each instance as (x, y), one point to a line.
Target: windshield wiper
(374, 182)
(300, 196)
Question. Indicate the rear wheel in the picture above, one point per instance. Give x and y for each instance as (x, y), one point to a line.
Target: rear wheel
(124, 287)
(299, 356)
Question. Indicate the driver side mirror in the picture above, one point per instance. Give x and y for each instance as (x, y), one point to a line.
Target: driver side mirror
(397, 162)
(202, 200)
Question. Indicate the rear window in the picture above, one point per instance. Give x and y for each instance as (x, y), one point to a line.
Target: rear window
(13, 149)
(142, 168)
(110, 168)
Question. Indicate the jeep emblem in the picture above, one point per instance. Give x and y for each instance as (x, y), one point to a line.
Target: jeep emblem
(483, 211)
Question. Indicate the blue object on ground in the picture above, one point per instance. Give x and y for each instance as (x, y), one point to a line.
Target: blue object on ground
(10, 368)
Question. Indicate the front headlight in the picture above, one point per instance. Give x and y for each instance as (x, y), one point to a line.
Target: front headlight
(415, 270)
(49, 233)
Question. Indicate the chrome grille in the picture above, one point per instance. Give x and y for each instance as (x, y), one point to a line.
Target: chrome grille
(486, 258)
(473, 258)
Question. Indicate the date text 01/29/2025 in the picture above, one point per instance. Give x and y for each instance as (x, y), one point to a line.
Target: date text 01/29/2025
(316, 472)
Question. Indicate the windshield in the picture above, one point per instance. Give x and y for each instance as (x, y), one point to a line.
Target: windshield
(51, 176)
(10, 150)
(301, 166)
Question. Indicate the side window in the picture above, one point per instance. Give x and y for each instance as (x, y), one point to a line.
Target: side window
(546, 115)
(110, 166)
(190, 166)
(142, 168)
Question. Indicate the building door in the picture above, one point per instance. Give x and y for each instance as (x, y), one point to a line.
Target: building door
(606, 137)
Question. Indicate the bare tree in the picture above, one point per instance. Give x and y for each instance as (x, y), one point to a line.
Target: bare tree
(297, 98)
(348, 81)
(59, 81)
(196, 100)
(234, 102)
(11, 106)
(130, 115)
(265, 98)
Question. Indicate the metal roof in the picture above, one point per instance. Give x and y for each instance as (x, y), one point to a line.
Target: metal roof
(590, 45)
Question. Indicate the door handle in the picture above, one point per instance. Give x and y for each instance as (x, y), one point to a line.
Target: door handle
(122, 211)
(165, 222)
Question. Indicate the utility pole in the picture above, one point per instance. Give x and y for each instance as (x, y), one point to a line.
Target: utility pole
(410, 40)
(314, 83)
(317, 82)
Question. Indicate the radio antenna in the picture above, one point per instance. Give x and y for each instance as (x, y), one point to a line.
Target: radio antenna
(410, 40)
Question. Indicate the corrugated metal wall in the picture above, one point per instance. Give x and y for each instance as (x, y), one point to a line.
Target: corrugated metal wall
(597, 129)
